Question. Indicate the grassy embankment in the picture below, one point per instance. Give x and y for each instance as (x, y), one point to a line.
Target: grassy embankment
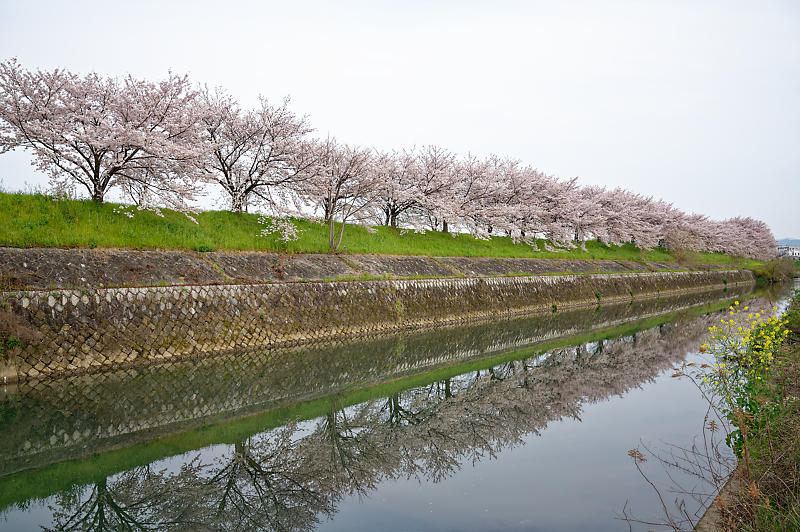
(758, 381)
(40, 221)
(772, 498)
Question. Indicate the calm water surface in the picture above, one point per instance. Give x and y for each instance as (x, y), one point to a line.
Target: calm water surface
(508, 425)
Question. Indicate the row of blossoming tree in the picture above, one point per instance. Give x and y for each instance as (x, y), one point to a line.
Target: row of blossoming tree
(161, 144)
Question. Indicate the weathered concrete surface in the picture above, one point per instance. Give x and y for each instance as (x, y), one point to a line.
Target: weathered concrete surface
(48, 268)
(712, 520)
(402, 266)
(24, 268)
(93, 329)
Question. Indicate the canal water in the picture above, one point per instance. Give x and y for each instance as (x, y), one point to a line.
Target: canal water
(522, 423)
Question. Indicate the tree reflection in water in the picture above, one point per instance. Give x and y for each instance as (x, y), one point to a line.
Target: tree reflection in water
(292, 477)
(53, 420)
(139, 499)
(265, 484)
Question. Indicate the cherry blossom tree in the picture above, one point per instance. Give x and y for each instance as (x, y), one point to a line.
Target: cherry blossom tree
(397, 178)
(745, 237)
(156, 142)
(255, 155)
(556, 208)
(517, 206)
(473, 194)
(341, 184)
(589, 216)
(100, 133)
(436, 177)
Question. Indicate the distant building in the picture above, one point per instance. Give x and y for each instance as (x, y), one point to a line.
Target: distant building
(792, 252)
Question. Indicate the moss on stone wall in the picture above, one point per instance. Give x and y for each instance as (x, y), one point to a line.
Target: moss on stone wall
(105, 328)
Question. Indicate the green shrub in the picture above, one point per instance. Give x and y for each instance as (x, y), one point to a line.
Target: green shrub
(774, 271)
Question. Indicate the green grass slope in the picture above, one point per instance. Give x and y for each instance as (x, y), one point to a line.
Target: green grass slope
(37, 220)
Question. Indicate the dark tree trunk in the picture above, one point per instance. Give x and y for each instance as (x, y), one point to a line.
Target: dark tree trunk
(237, 204)
(444, 226)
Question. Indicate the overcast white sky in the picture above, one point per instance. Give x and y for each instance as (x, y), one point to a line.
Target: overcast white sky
(694, 102)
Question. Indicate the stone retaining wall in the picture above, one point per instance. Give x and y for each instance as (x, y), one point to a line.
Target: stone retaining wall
(51, 268)
(96, 329)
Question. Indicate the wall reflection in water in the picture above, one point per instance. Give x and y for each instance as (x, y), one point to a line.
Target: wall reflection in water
(293, 476)
(55, 420)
